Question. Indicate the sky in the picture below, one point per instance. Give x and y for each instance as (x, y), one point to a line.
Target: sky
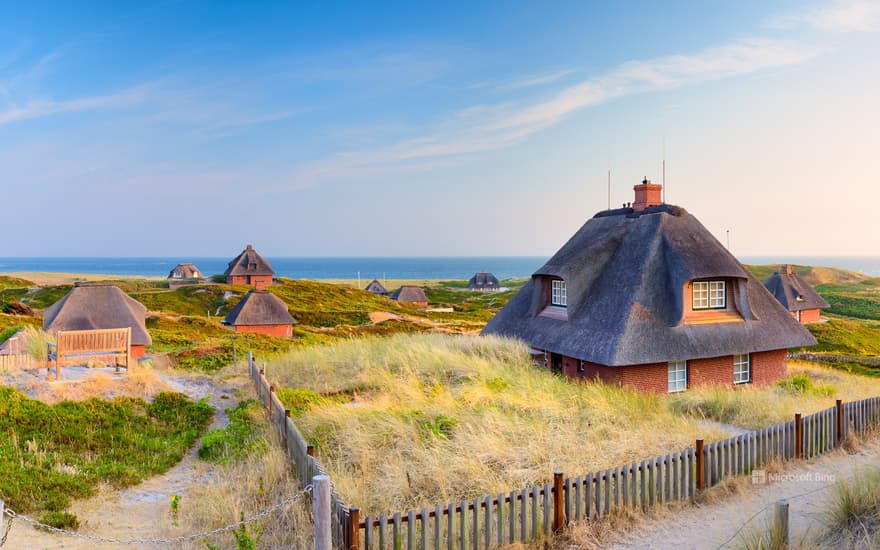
(432, 129)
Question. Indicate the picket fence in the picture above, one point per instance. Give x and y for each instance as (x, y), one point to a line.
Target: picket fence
(530, 513)
(18, 361)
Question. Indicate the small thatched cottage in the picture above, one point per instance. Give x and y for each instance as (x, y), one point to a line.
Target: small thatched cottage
(249, 268)
(376, 288)
(484, 282)
(263, 313)
(796, 295)
(185, 271)
(645, 296)
(410, 293)
(95, 307)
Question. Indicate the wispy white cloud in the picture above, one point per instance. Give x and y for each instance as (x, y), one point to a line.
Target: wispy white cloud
(535, 80)
(47, 107)
(840, 16)
(487, 127)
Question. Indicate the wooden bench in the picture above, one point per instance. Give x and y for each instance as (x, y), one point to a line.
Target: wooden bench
(71, 344)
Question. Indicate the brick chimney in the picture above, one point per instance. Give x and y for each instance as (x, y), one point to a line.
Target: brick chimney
(647, 194)
(786, 269)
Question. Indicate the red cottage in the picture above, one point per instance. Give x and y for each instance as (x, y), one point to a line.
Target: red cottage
(644, 296)
(796, 295)
(263, 313)
(249, 268)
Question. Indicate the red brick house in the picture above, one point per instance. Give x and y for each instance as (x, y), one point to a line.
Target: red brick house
(100, 306)
(249, 268)
(410, 293)
(262, 313)
(644, 296)
(796, 295)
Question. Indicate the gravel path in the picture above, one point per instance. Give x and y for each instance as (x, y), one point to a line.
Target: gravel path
(807, 486)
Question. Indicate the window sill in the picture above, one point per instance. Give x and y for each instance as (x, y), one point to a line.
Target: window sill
(555, 312)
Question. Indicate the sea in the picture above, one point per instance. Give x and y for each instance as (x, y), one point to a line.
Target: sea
(446, 268)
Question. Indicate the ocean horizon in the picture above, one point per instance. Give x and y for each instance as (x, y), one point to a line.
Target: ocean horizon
(432, 267)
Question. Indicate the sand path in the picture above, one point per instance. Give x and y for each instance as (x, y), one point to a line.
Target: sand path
(807, 486)
(141, 511)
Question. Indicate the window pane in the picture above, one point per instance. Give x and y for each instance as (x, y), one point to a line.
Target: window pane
(677, 376)
(741, 369)
(700, 295)
(558, 293)
(717, 297)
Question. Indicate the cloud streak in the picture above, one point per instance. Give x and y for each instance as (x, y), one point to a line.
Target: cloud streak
(487, 127)
(841, 16)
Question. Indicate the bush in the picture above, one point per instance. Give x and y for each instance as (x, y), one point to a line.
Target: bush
(852, 517)
(61, 520)
(800, 384)
(243, 435)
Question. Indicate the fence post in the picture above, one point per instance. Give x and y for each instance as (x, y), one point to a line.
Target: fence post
(2, 513)
(321, 501)
(558, 518)
(354, 528)
(839, 405)
(271, 392)
(798, 436)
(781, 522)
(701, 473)
(310, 450)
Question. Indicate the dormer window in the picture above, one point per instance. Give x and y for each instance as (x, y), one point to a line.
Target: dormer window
(709, 295)
(558, 294)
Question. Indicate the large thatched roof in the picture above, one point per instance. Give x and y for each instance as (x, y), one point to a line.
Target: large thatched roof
(376, 288)
(94, 307)
(483, 281)
(793, 292)
(249, 263)
(259, 307)
(625, 273)
(409, 293)
(185, 271)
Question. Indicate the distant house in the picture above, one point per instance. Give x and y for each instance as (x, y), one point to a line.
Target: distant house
(484, 282)
(95, 307)
(263, 313)
(185, 271)
(249, 268)
(796, 295)
(644, 296)
(376, 288)
(410, 293)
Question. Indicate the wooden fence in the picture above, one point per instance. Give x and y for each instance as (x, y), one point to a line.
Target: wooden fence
(530, 513)
(18, 361)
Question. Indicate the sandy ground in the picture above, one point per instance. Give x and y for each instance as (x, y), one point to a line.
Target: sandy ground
(138, 512)
(715, 525)
(51, 279)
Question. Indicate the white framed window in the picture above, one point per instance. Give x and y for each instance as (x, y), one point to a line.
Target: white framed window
(709, 295)
(678, 376)
(558, 294)
(742, 369)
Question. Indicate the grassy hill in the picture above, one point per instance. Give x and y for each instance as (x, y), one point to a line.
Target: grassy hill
(812, 275)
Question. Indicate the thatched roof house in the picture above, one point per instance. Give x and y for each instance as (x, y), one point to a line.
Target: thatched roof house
(796, 295)
(249, 268)
(410, 293)
(185, 271)
(261, 312)
(376, 288)
(94, 307)
(483, 282)
(645, 296)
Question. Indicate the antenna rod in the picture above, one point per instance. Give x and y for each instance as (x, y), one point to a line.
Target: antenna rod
(609, 188)
(663, 177)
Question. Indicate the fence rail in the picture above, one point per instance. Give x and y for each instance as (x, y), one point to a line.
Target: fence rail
(530, 513)
(18, 361)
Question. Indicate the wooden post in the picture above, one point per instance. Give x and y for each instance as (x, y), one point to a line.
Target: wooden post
(798, 436)
(354, 528)
(128, 350)
(271, 393)
(558, 518)
(839, 405)
(310, 450)
(780, 523)
(701, 473)
(234, 355)
(322, 512)
(2, 513)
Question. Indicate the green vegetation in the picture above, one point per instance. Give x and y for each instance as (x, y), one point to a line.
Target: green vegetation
(14, 282)
(846, 337)
(425, 418)
(852, 519)
(245, 433)
(60, 520)
(50, 454)
(476, 306)
(801, 384)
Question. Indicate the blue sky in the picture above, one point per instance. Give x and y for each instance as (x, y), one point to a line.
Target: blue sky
(453, 128)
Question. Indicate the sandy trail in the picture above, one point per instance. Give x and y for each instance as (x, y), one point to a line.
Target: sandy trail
(713, 525)
(142, 511)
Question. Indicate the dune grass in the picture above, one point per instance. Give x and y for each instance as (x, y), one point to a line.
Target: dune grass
(809, 388)
(425, 419)
(50, 454)
(852, 517)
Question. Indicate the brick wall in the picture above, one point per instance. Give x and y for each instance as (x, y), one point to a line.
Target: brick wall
(259, 282)
(810, 316)
(278, 331)
(767, 367)
(138, 351)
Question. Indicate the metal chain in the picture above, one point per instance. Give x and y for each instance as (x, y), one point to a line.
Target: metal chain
(184, 538)
(7, 525)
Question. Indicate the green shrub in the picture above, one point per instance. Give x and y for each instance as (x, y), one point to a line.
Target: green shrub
(801, 384)
(299, 400)
(244, 434)
(60, 520)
